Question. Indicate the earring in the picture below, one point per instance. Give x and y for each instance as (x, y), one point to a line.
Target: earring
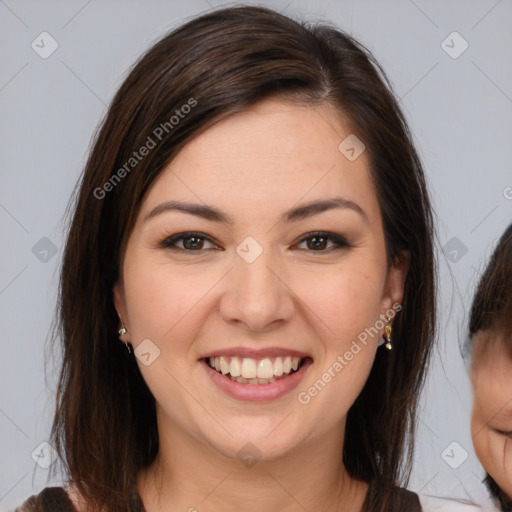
(128, 345)
(388, 336)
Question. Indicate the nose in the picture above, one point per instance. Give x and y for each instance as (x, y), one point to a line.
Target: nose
(257, 294)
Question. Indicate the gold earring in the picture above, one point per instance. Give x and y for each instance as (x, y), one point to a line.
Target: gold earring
(388, 336)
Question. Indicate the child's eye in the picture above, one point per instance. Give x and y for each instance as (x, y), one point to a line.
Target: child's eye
(504, 433)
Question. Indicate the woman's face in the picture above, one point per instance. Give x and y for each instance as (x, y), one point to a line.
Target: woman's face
(256, 287)
(491, 422)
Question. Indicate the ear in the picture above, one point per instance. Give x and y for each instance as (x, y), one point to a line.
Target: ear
(120, 303)
(395, 281)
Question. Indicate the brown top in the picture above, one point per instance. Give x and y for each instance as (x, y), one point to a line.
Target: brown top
(56, 499)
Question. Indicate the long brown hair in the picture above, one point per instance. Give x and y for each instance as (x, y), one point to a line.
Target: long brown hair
(220, 63)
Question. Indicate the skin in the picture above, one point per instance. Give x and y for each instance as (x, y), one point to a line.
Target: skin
(491, 421)
(254, 166)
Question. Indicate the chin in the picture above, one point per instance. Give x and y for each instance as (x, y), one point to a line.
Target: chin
(250, 449)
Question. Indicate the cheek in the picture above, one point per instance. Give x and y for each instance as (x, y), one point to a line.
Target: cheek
(493, 451)
(348, 302)
(499, 462)
(481, 439)
(166, 306)
(159, 297)
(346, 308)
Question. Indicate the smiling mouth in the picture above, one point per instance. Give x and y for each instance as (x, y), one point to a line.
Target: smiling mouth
(246, 370)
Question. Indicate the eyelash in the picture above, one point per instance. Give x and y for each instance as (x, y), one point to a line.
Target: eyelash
(505, 434)
(339, 241)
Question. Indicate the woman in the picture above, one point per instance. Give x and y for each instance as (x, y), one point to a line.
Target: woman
(490, 328)
(252, 221)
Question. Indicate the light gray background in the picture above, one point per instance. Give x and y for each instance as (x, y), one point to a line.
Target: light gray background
(460, 111)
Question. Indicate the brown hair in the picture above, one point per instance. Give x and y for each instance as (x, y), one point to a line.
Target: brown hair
(105, 425)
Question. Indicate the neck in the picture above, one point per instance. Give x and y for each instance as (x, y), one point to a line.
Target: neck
(188, 475)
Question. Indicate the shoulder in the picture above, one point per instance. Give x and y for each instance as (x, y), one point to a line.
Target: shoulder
(51, 499)
(438, 504)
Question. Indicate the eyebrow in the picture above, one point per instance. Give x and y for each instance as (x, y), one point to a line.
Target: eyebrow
(299, 212)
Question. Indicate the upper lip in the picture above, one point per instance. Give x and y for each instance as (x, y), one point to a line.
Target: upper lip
(261, 353)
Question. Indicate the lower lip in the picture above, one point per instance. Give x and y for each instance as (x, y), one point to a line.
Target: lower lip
(257, 392)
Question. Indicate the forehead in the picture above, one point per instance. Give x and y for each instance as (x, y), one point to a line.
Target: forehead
(275, 151)
(490, 350)
(491, 373)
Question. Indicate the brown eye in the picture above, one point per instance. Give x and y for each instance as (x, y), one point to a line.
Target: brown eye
(318, 241)
(194, 242)
(191, 242)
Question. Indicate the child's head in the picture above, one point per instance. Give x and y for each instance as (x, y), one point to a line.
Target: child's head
(490, 329)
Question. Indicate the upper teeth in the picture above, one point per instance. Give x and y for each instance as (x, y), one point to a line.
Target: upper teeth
(254, 368)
